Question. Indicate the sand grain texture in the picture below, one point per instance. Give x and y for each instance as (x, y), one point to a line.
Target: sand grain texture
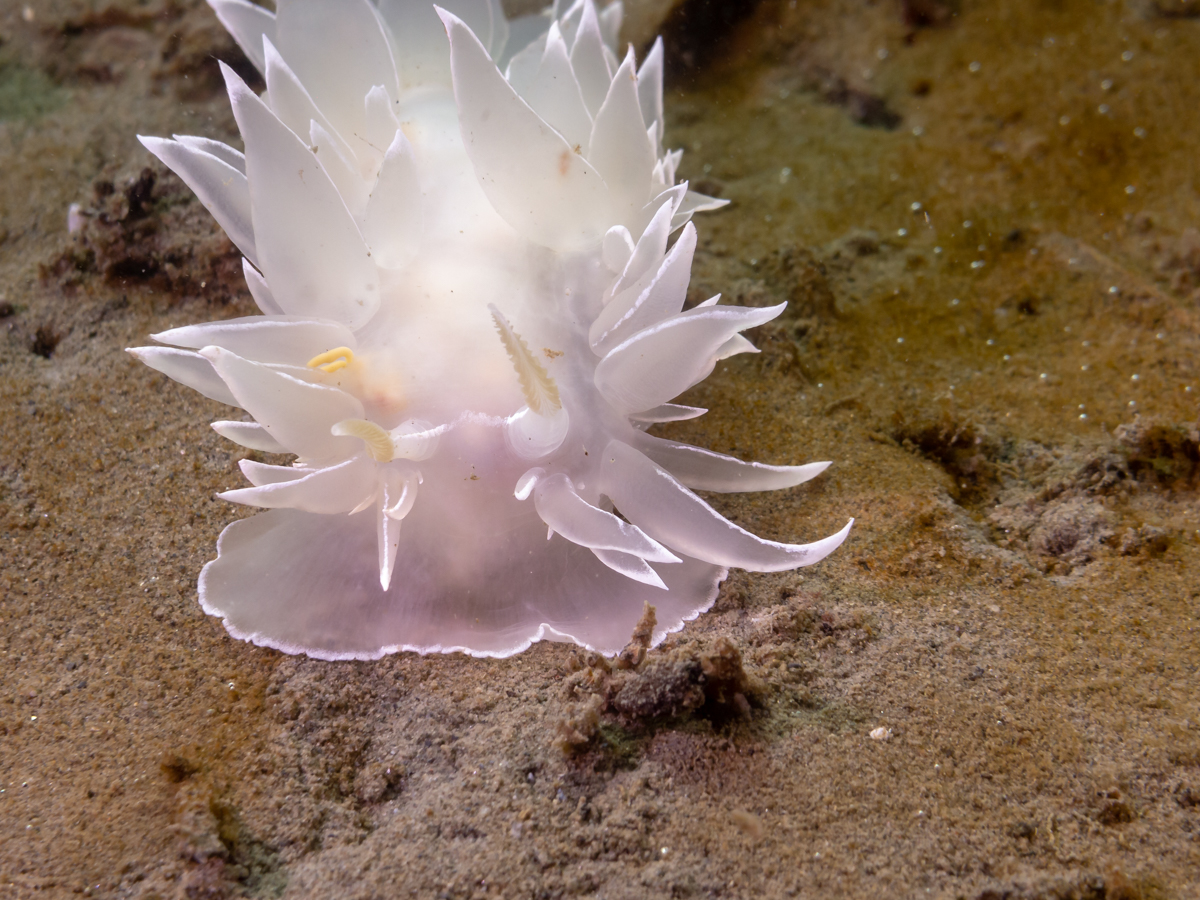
(988, 692)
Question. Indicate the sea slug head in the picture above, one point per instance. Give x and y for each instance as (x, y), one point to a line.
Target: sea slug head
(472, 259)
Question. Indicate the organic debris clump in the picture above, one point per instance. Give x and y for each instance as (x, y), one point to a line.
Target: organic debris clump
(148, 230)
(641, 692)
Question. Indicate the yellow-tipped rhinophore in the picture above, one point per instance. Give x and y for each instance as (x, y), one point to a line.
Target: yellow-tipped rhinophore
(332, 360)
(379, 442)
(541, 393)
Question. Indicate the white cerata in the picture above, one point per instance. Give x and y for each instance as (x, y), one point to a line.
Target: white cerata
(471, 258)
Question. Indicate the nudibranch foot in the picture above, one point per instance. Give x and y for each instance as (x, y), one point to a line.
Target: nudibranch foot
(330, 603)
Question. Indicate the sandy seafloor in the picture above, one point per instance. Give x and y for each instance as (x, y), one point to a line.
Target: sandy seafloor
(985, 217)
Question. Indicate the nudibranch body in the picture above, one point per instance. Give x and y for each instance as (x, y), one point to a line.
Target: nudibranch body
(473, 309)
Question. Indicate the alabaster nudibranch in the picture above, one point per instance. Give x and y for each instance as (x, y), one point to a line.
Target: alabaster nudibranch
(459, 232)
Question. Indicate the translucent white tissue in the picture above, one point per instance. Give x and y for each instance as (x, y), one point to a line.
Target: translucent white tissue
(464, 479)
